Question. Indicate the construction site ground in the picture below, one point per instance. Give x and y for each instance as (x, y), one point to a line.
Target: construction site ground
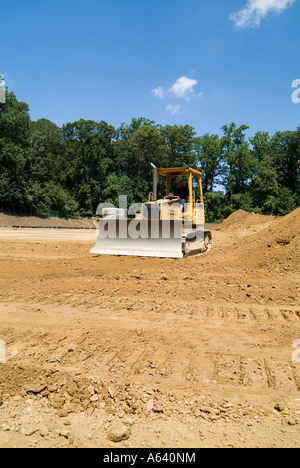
(102, 351)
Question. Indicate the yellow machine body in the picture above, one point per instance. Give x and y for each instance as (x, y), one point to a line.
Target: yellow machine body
(161, 228)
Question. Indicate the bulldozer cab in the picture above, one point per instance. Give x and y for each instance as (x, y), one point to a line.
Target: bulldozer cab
(191, 175)
(193, 208)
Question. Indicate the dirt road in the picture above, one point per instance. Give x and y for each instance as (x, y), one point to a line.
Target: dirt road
(134, 352)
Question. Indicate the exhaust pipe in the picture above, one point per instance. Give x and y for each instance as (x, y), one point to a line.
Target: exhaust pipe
(154, 182)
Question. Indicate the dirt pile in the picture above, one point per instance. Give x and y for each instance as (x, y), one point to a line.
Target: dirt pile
(286, 230)
(241, 219)
(280, 243)
(264, 240)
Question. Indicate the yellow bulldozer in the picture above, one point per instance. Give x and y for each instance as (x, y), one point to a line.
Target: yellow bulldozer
(170, 227)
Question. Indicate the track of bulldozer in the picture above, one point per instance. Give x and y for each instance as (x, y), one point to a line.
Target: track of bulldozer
(197, 251)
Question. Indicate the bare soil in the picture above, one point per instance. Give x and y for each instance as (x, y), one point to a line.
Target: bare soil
(15, 221)
(133, 352)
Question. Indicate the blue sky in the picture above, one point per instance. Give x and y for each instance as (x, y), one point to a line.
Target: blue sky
(204, 63)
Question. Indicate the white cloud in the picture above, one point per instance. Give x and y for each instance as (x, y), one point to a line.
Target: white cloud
(158, 92)
(183, 87)
(256, 10)
(173, 109)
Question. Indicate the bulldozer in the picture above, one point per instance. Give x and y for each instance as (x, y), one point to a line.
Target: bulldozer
(169, 227)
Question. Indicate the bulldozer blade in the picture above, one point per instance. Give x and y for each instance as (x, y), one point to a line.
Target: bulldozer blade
(139, 238)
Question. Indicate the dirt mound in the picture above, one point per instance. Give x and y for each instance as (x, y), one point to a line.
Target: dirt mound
(280, 243)
(243, 220)
(7, 220)
(273, 243)
(287, 229)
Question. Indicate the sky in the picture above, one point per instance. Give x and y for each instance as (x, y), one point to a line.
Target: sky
(204, 63)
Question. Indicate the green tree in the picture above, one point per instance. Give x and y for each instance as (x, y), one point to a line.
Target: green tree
(125, 132)
(14, 121)
(14, 154)
(89, 156)
(239, 163)
(216, 208)
(265, 181)
(47, 152)
(118, 186)
(75, 168)
(180, 145)
(13, 180)
(287, 157)
(209, 153)
(142, 144)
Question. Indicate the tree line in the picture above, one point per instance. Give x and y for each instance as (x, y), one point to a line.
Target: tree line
(73, 168)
